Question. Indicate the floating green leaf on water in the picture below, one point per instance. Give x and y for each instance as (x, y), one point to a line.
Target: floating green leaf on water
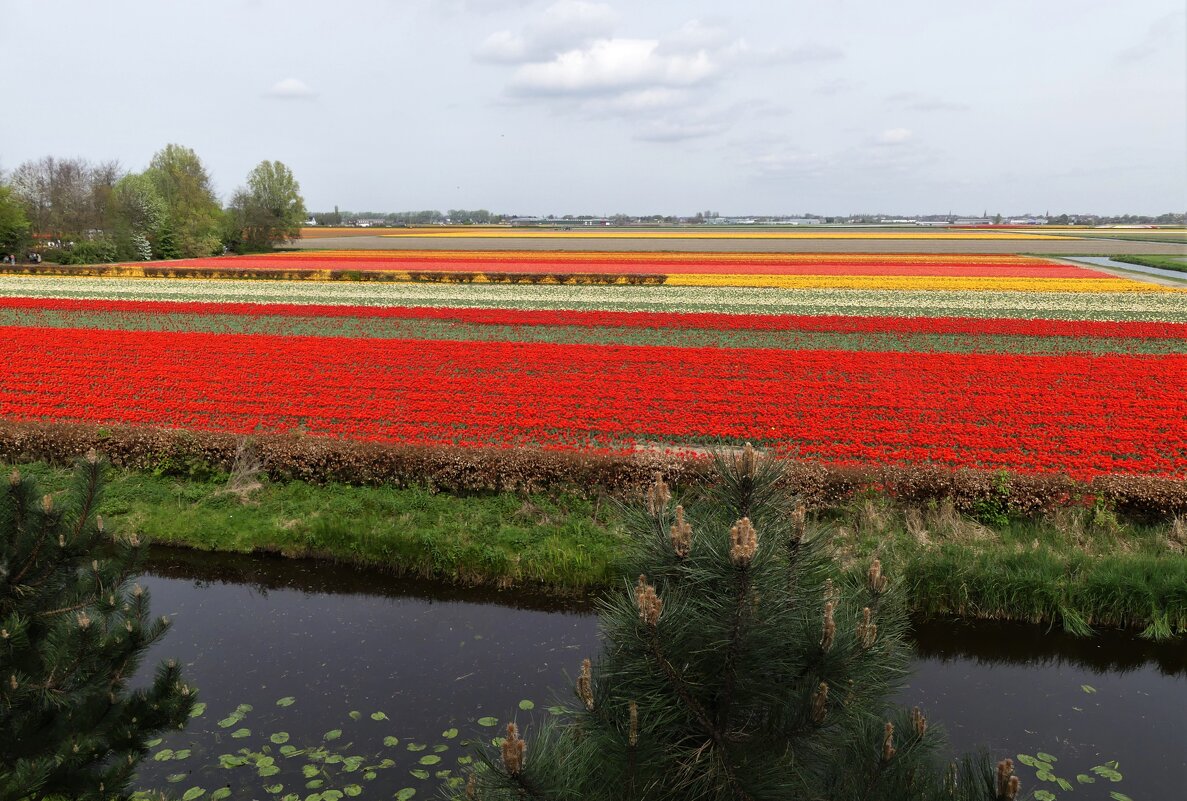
(268, 770)
(273, 788)
(1064, 784)
(419, 773)
(288, 700)
(193, 792)
(153, 743)
(369, 775)
(430, 759)
(527, 705)
(378, 716)
(314, 784)
(174, 778)
(309, 771)
(1084, 778)
(353, 790)
(416, 746)
(332, 795)
(243, 709)
(1028, 760)
(405, 794)
(556, 710)
(280, 737)
(239, 734)
(1044, 795)
(355, 714)
(488, 721)
(1088, 688)
(333, 734)
(465, 760)
(220, 794)
(288, 750)
(231, 761)
(164, 755)
(449, 734)
(183, 753)
(390, 741)
(442, 774)
(1043, 755)
(198, 709)
(1116, 796)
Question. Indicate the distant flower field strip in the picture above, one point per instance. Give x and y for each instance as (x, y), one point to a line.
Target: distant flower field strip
(593, 232)
(1170, 307)
(905, 272)
(783, 332)
(1086, 415)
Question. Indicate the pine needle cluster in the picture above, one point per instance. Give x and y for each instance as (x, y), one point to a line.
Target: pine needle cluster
(735, 668)
(73, 629)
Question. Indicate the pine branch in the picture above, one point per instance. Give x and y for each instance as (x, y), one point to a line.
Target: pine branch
(700, 714)
(729, 670)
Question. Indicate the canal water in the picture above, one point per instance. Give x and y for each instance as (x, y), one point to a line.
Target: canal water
(317, 677)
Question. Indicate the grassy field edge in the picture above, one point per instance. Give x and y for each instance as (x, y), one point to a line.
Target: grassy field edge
(1076, 568)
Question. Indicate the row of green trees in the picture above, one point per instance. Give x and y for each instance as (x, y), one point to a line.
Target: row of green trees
(74, 211)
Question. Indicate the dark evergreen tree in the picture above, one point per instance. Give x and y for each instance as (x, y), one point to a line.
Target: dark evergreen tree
(736, 669)
(73, 629)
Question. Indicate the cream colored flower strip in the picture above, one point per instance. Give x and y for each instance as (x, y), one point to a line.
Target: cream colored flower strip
(1152, 307)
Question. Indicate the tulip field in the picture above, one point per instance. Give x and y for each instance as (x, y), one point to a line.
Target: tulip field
(990, 362)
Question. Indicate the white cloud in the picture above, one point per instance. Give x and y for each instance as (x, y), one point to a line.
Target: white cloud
(1161, 34)
(668, 87)
(563, 26)
(914, 101)
(291, 89)
(675, 130)
(614, 65)
(893, 136)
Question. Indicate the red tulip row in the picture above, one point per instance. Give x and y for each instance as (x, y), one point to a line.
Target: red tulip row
(842, 324)
(1084, 415)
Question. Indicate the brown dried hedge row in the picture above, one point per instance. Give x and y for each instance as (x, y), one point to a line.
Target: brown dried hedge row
(471, 470)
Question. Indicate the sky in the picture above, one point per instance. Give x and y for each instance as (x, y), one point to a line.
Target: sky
(658, 107)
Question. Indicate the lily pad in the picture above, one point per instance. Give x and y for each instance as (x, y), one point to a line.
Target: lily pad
(405, 794)
(198, 709)
(390, 741)
(488, 721)
(220, 794)
(239, 734)
(379, 716)
(430, 759)
(280, 737)
(420, 774)
(449, 734)
(288, 700)
(193, 792)
(527, 705)
(333, 734)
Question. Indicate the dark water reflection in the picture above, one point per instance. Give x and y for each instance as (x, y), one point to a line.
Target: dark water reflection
(431, 658)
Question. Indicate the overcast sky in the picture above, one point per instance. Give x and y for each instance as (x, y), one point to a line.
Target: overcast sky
(663, 106)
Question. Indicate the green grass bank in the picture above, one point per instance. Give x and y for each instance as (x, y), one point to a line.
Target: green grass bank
(1178, 263)
(1074, 567)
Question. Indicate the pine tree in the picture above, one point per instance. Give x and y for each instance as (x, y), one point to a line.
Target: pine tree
(73, 629)
(739, 667)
